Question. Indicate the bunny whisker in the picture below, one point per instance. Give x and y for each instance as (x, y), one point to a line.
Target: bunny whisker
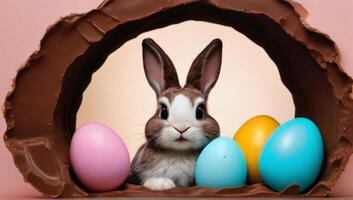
(137, 125)
(145, 111)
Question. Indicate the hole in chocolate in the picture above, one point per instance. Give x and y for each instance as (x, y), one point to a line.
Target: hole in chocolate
(120, 96)
(48, 91)
(295, 66)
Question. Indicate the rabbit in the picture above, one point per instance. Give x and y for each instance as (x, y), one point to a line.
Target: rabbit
(181, 127)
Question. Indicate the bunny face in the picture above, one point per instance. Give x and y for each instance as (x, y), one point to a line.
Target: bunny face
(181, 121)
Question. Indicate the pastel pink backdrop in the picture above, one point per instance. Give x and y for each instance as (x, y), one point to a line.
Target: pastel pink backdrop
(25, 22)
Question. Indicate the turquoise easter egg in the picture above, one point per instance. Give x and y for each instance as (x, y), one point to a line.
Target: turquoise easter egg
(293, 154)
(221, 164)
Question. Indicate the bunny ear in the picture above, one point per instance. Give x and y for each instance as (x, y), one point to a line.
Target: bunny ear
(159, 69)
(205, 69)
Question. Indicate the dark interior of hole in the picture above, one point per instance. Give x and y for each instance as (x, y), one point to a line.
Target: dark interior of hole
(299, 72)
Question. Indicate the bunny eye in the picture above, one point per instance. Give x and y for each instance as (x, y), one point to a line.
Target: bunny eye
(200, 111)
(164, 112)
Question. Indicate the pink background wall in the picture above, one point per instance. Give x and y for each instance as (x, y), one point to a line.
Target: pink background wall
(25, 22)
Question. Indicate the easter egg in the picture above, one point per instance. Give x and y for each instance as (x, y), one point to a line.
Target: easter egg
(293, 154)
(251, 137)
(221, 164)
(99, 157)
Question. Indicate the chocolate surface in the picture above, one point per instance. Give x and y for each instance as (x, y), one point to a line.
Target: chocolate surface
(41, 109)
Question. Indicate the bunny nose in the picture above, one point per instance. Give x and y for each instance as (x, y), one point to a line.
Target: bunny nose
(181, 129)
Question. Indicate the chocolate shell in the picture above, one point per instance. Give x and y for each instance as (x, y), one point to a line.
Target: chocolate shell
(41, 109)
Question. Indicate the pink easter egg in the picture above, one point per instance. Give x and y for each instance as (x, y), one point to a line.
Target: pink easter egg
(99, 157)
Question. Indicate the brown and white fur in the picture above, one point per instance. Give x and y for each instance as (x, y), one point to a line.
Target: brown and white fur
(181, 126)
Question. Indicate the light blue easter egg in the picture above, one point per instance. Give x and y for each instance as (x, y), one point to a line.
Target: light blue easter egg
(293, 154)
(221, 164)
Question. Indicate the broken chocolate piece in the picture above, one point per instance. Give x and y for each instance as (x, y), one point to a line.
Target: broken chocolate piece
(41, 108)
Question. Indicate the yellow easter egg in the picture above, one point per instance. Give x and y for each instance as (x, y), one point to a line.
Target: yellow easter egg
(251, 137)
